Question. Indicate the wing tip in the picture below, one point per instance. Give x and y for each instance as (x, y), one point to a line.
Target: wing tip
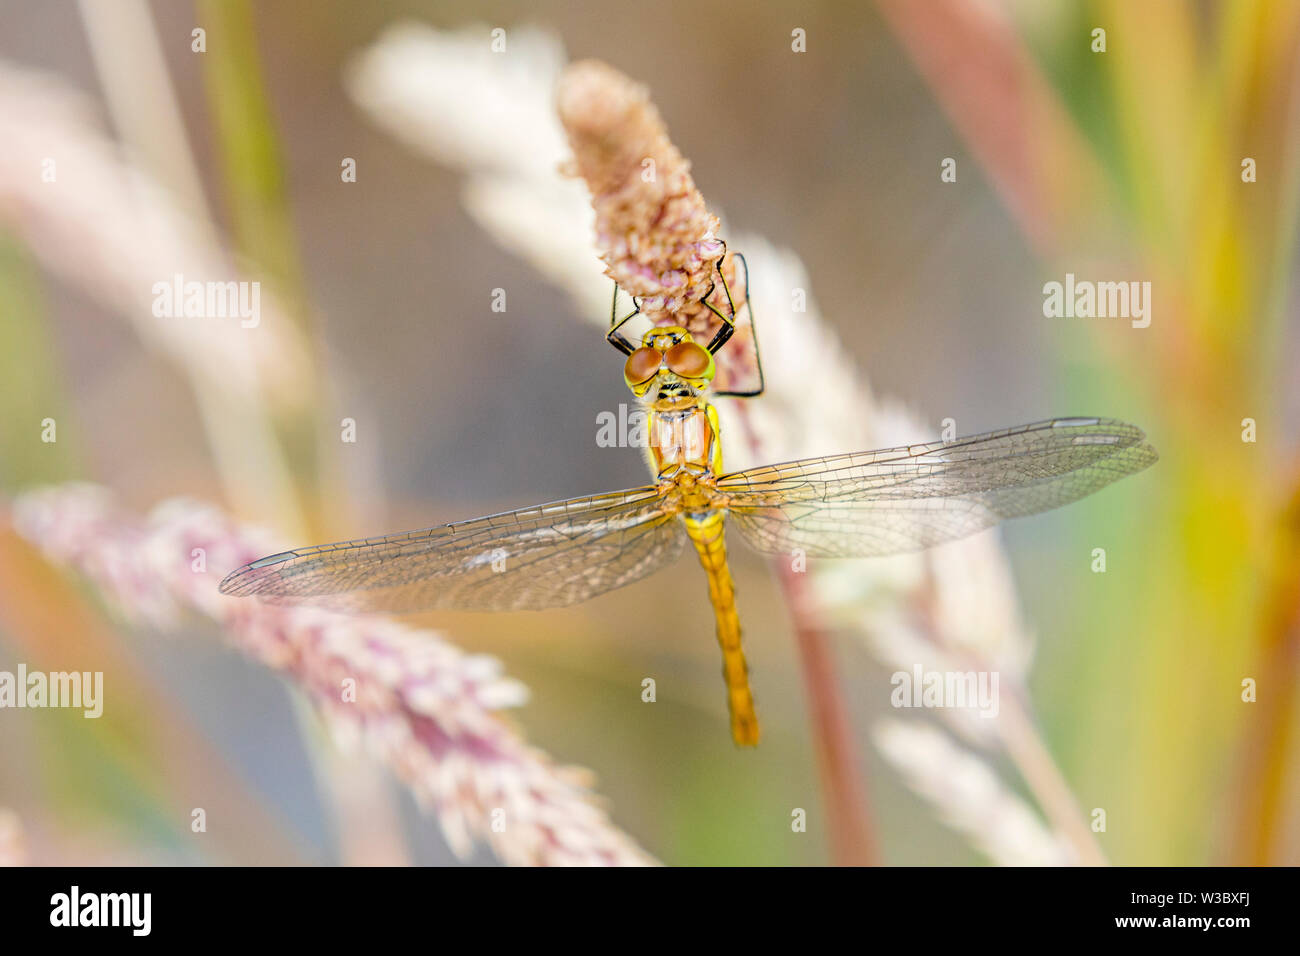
(1129, 442)
(243, 582)
(1127, 434)
(1095, 421)
(233, 584)
(1147, 457)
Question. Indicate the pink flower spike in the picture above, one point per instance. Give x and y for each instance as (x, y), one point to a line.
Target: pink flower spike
(422, 706)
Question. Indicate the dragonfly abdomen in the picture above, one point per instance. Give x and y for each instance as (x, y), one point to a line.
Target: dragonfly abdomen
(706, 533)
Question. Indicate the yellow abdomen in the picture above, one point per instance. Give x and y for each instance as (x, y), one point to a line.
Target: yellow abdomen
(706, 534)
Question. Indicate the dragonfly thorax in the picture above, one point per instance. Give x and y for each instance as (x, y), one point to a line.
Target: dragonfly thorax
(684, 441)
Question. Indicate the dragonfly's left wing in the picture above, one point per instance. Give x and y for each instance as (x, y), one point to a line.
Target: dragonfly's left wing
(550, 555)
(905, 499)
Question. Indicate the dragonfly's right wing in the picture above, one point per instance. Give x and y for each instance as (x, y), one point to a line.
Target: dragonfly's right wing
(550, 555)
(894, 500)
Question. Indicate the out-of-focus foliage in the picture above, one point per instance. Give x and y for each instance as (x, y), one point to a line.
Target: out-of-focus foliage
(1131, 159)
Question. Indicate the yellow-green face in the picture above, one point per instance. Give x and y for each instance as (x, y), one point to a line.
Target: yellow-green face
(670, 368)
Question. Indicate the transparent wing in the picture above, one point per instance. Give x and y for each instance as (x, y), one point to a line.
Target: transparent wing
(550, 555)
(904, 499)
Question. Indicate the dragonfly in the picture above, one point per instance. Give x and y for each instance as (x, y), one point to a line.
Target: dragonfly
(856, 505)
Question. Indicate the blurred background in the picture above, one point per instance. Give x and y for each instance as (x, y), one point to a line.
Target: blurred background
(1117, 165)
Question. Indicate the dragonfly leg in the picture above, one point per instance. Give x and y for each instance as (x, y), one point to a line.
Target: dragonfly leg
(706, 535)
(615, 336)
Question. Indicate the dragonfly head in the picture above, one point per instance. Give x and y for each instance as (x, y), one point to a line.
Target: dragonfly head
(670, 369)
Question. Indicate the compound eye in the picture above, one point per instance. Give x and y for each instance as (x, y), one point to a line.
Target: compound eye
(689, 360)
(642, 365)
